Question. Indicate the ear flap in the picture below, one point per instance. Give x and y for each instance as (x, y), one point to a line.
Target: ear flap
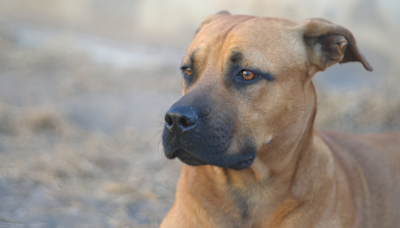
(329, 43)
(212, 18)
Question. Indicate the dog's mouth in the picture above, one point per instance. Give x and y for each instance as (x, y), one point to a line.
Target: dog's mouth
(242, 164)
(187, 158)
(191, 159)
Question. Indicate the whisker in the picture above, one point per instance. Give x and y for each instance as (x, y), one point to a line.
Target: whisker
(152, 139)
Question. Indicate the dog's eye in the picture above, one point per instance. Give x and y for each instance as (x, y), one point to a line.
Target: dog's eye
(188, 71)
(247, 75)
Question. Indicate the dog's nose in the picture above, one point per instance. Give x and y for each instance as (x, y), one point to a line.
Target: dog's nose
(180, 119)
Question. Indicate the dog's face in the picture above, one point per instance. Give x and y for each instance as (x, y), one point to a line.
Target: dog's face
(245, 83)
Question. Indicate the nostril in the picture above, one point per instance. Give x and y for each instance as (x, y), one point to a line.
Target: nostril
(186, 122)
(168, 120)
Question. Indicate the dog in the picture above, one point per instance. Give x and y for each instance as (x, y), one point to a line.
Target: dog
(245, 130)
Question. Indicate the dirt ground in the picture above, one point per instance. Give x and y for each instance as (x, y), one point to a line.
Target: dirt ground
(80, 134)
(80, 140)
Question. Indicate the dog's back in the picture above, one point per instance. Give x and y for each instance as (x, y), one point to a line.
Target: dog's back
(371, 161)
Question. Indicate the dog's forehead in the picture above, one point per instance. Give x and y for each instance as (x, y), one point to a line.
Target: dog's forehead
(239, 25)
(272, 38)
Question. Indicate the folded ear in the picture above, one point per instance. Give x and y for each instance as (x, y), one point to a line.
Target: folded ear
(211, 18)
(328, 44)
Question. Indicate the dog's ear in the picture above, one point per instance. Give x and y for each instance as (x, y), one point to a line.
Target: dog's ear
(211, 18)
(328, 44)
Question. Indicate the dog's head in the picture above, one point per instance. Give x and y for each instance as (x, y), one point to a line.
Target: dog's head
(247, 82)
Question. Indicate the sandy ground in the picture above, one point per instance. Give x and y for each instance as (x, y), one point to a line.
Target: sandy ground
(80, 134)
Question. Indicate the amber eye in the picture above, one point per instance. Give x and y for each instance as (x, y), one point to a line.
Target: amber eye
(188, 71)
(247, 75)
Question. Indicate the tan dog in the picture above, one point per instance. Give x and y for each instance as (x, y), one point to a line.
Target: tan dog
(245, 129)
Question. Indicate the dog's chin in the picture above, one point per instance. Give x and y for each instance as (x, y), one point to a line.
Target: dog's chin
(241, 162)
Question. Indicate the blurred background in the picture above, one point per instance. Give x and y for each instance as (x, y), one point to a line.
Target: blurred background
(84, 85)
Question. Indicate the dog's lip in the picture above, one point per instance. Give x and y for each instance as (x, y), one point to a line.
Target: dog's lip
(242, 164)
(190, 159)
(187, 157)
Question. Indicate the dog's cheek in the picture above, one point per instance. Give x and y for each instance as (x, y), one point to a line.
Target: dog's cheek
(254, 123)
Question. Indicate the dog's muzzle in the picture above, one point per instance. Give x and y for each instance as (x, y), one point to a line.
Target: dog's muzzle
(198, 137)
(200, 129)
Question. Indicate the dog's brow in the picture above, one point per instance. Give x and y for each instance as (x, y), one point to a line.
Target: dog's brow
(236, 56)
(189, 60)
(192, 56)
